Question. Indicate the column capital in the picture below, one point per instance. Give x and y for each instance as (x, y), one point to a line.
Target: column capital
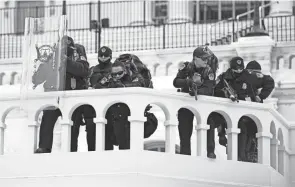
(169, 123)
(274, 142)
(100, 120)
(137, 118)
(202, 127)
(264, 135)
(34, 124)
(2, 125)
(233, 131)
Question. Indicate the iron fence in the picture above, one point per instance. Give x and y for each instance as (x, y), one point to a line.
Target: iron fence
(92, 29)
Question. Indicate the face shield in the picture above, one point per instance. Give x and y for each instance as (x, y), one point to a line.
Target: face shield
(200, 62)
(117, 72)
(104, 58)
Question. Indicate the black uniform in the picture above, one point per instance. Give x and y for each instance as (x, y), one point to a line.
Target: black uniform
(76, 73)
(99, 79)
(205, 86)
(260, 81)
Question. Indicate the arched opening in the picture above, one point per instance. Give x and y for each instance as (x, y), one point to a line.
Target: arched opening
(13, 78)
(219, 123)
(117, 129)
(2, 78)
(281, 152)
(83, 128)
(156, 65)
(292, 62)
(187, 117)
(167, 68)
(247, 141)
(280, 63)
(273, 146)
(158, 145)
(16, 132)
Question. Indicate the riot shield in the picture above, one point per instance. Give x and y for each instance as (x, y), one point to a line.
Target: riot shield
(43, 59)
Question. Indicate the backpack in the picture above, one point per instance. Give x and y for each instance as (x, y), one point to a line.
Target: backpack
(136, 65)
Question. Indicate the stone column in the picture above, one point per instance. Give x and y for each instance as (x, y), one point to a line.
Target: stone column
(274, 153)
(2, 131)
(65, 136)
(232, 145)
(257, 48)
(100, 133)
(264, 147)
(136, 132)
(170, 137)
(202, 139)
(32, 136)
(283, 8)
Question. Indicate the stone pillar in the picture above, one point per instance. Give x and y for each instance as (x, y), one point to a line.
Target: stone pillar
(283, 8)
(136, 132)
(202, 139)
(274, 153)
(179, 10)
(32, 136)
(281, 160)
(100, 133)
(264, 147)
(232, 145)
(257, 48)
(65, 136)
(170, 137)
(2, 131)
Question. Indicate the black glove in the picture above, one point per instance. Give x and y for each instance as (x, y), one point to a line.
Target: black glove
(116, 84)
(148, 108)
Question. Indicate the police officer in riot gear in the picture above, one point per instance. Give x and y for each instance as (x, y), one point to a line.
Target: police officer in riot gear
(75, 73)
(260, 81)
(99, 79)
(203, 66)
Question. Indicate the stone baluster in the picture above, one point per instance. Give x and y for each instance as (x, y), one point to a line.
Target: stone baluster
(100, 133)
(32, 135)
(136, 132)
(202, 139)
(232, 145)
(264, 147)
(65, 135)
(170, 130)
(274, 153)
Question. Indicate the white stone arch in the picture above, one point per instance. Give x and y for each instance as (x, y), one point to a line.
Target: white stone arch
(6, 112)
(155, 67)
(2, 75)
(168, 65)
(158, 145)
(72, 110)
(196, 113)
(106, 108)
(164, 109)
(280, 62)
(226, 117)
(292, 62)
(13, 78)
(281, 160)
(45, 107)
(273, 146)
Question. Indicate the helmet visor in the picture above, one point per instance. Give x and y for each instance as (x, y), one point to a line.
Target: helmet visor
(104, 58)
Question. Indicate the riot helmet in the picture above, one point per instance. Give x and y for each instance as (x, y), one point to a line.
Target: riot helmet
(237, 64)
(201, 56)
(104, 55)
(67, 46)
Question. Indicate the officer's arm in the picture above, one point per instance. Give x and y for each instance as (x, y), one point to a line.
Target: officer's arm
(138, 81)
(40, 75)
(95, 77)
(78, 68)
(181, 81)
(267, 87)
(218, 91)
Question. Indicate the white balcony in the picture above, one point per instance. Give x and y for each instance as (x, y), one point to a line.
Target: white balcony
(136, 167)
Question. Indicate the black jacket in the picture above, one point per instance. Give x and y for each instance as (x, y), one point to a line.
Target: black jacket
(185, 73)
(101, 75)
(242, 84)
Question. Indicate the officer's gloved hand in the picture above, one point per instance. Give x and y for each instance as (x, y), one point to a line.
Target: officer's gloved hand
(117, 84)
(98, 86)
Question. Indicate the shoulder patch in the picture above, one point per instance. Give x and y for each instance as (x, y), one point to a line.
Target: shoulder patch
(211, 76)
(135, 80)
(259, 75)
